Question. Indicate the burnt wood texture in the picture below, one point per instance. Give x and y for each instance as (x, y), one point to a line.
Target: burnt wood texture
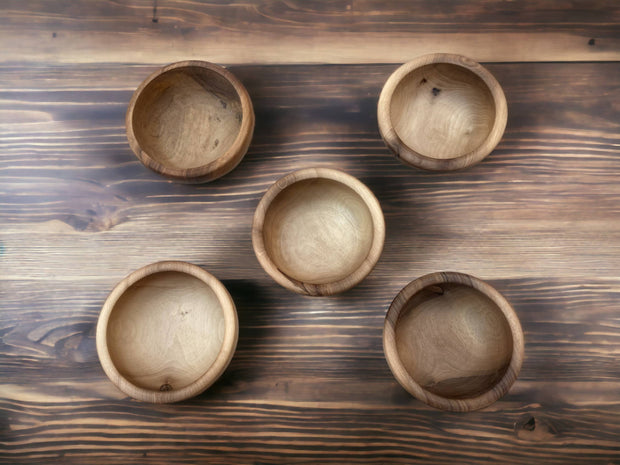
(538, 219)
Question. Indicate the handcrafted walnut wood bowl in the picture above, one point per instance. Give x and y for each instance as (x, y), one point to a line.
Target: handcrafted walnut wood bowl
(442, 112)
(191, 121)
(453, 341)
(318, 231)
(167, 332)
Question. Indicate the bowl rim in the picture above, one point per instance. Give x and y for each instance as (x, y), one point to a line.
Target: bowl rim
(205, 380)
(221, 165)
(353, 278)
(406, 380)
(413, 158)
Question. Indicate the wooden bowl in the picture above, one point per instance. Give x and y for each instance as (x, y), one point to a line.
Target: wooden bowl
(167, 332)
(318, 231)
(190, 121)
(442, 112)
(453, 341)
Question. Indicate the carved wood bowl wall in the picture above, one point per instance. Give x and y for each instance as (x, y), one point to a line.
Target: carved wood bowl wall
(453, 341)
(318, 231)
(167, 332)
(442, 112)
(191, 121)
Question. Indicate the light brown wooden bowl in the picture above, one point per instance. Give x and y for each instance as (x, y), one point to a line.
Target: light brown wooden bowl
(167, 332)
(318, 231)
(453, 341)
(190, 121)
(442, 112)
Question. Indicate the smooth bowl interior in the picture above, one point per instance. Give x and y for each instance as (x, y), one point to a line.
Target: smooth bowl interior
(187, 117)
(453, 341)
(165, 331)
(442, 110)
(318, 231)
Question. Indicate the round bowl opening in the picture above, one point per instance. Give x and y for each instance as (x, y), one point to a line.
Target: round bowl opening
(165, 331)
(442, 111)
(453, 341)
(318, 231)
(187, 117)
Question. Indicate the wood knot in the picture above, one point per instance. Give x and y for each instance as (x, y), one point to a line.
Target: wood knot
(165, 387)
(436, 289)
(435, 91)
(530, 428)
(529, 425)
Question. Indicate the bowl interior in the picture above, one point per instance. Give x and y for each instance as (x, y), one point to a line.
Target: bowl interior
(453, 341)
(165, 331)
(318, 231)
(442, 110)
(187, 117)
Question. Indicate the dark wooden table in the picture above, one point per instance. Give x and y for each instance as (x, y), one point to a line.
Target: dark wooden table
(539, 219)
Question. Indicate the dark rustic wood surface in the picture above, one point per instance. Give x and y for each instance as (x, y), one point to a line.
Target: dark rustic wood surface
(307, 31)
(539, 219)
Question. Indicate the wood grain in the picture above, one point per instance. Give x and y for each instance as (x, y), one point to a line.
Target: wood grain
(553, 175)
(301, 31)
(538, 219)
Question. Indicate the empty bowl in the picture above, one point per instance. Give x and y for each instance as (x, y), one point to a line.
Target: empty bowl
(167, 332)
(191, 121)
(318, 231)
(453, 341)
(442, 112)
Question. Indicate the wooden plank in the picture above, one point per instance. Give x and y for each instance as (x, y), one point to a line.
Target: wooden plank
(543, 204)
(539, 218)
(291, 338)
(360, 31)
(98, 433)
